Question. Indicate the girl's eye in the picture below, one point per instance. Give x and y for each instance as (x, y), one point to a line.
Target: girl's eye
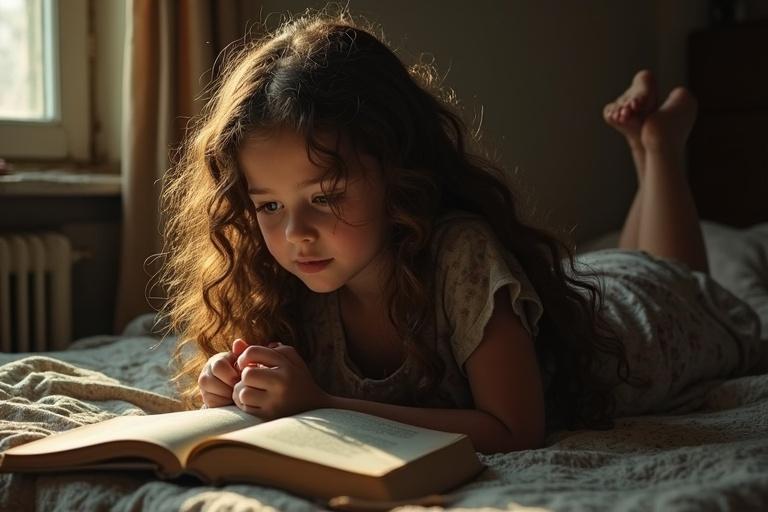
(329, 199)
(268, 207)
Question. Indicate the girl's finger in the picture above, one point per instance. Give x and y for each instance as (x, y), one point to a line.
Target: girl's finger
(213, 400)
(238, 346)
(290, 354)
(259, 378)
(211, 384)
(255, 411)
(258, 354)
(246, 396)
(222, 368)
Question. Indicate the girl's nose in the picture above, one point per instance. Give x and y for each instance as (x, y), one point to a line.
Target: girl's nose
(300, 229)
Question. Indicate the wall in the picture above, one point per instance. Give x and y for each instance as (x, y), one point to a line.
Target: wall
(674, 21)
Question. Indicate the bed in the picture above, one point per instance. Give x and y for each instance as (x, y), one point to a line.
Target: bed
(715, 458)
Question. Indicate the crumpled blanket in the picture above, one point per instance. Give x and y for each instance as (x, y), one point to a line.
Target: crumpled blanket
(716, 457)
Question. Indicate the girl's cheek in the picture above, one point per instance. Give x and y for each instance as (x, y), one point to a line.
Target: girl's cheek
(349, 211)
(269, 225)
(271, 237)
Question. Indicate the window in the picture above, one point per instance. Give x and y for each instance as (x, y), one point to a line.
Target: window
(44, 95)
(26, 94)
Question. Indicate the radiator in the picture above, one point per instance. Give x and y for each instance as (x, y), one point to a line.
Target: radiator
(35, 292)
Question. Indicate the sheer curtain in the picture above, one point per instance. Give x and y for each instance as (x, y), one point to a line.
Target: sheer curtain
(170, 48)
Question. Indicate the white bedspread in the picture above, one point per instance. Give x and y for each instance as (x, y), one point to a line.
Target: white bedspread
(713, 459)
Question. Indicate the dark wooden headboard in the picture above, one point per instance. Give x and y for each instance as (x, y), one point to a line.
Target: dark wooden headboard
(728, 149)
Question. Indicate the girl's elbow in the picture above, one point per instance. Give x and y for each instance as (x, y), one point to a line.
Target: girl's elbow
(535, 441)
(512, 442)
(522, 433)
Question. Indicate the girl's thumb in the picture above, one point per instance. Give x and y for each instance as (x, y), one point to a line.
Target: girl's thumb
(239, 346)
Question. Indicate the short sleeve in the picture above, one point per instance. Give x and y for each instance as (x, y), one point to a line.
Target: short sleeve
(471, 266)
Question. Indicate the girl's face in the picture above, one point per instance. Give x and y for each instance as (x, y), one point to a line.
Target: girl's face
(297, 223)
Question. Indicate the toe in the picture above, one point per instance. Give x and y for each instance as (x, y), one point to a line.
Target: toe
(624, 113)
(679, 98)
(645, 90)
(644, 76)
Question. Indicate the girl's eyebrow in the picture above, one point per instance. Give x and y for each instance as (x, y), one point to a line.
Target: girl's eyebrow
(301, 185)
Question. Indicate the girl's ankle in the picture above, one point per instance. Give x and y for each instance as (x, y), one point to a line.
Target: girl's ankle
(667, 153)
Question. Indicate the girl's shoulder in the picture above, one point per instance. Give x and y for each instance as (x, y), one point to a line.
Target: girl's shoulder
(466, 240)
(458, 230)
(449, 218)
(454, 221)
(471, 265)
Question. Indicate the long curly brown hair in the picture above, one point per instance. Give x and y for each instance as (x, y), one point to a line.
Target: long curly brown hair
(324, 72)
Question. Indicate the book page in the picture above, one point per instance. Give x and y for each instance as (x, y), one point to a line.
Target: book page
(176, 431)
(344, 439)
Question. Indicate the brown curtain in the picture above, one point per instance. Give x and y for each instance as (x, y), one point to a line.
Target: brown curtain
(170, 48)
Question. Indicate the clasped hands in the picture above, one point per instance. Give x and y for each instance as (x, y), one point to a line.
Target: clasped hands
(266, 381)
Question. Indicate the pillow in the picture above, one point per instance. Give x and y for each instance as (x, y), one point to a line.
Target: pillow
(738, 260)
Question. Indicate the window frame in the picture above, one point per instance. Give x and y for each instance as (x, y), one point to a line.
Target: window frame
(69, 136)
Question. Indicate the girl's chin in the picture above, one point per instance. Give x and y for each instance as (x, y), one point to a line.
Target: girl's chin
(318, 287)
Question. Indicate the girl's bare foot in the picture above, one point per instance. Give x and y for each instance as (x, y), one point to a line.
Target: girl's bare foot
(630, 110)
(666, 130)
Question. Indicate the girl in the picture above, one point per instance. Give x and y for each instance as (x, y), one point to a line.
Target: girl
(333, 243)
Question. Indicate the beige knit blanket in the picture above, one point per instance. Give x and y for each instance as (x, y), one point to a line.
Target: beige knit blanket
(716, 456)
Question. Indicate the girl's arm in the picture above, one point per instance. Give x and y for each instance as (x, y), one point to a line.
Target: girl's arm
(506, 386)
(502, 371)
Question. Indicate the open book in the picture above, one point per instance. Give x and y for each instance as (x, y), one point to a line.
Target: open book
(321, 453)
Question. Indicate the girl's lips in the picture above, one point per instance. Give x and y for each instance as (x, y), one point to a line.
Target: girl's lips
(310, 267)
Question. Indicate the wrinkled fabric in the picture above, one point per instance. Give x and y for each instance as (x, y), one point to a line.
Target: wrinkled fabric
(682, 331)
(714, 458)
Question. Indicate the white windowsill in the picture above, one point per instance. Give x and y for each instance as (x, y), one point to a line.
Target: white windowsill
(59, 183)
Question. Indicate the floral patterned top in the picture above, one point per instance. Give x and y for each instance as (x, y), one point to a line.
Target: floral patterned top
(470, 267)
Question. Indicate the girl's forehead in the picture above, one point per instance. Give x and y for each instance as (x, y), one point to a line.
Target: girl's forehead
(282, 145)
(285, 147)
